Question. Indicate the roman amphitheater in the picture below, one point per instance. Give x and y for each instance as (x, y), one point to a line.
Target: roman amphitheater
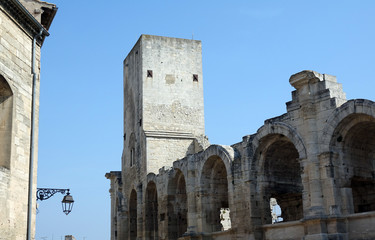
(307, 174)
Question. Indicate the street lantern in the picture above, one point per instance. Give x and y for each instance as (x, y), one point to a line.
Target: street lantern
(67, 202)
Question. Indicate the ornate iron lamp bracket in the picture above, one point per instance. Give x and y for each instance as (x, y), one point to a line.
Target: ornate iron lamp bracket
(45, 193)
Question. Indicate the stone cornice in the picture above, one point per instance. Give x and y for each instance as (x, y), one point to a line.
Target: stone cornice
(18, 13)
(169, 134)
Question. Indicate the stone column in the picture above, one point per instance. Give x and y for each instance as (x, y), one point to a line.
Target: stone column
(122, 225)
(113, 215)
(330, 192)
(192, 192)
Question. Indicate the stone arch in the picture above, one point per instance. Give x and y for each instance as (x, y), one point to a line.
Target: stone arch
(225, 153)
(6, 119)
(177, 205)
(283, 129)
(133, 215)
(151, 210)
(355, 106)
(276, 171)
(214, 182)
(353, 139)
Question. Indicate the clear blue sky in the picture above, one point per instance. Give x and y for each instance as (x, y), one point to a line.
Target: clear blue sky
(250, 49)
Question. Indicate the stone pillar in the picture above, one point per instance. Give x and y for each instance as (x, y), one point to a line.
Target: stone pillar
(335, 202)
(113, 214)
(312, 89)
(122, 226)
(192, 192)
(330, 192)
(305, 106)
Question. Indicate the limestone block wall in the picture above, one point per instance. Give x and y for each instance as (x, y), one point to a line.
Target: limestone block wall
(17, 29)
(15, 69)
(172, 85)
(163, 151)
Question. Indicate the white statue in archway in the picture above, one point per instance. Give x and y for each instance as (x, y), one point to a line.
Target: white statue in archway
(225, 219)
(275, 211)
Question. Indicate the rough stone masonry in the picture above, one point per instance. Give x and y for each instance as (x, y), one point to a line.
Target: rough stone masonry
(316, 161)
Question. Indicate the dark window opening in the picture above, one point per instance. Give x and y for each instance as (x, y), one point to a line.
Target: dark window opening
(149, 73)
(132, 157)
(195, 77)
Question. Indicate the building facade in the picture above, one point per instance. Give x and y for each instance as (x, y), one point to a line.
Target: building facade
(315, 163)
(23, 27)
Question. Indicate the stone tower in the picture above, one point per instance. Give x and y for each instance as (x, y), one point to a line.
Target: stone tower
(163, 102)
(163, 122)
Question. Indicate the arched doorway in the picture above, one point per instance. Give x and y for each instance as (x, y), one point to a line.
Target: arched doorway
(177, 206)
(151, 212)
(214, 193)
(133, 215)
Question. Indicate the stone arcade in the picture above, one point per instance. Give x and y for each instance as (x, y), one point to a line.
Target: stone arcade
(316, 160)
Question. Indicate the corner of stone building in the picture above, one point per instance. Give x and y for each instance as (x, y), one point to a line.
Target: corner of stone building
(42, 11)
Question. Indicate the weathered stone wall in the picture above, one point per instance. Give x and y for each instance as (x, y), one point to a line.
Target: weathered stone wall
(163, 101)
(15, 68)
(172, 98)
(16, 36)
(316, 160)
(164, 151)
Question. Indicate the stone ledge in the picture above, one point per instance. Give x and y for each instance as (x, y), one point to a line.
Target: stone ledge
(169, 134)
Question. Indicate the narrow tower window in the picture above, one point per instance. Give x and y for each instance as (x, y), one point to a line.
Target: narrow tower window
(149, 73)
(195, 77)
(132, 157)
